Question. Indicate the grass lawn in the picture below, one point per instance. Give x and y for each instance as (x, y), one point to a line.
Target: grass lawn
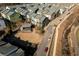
(15, 16)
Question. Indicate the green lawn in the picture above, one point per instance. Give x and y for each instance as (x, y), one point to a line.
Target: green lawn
(15, 17)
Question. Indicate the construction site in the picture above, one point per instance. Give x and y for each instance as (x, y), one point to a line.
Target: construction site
(34, 29)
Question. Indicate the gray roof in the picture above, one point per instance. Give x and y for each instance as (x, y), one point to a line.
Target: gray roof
(10, 13)
(22, 11)
(38, 16)
(42, 5)
(19, 52)
(7, 49)
(33, 15)
(54, 9)
(2, 42)
(32, 9)
(45, 11)
(50, 12)
(32, 5)
(26, 25)
(46, 8)
(29, 14)
(41, 18)
(28, 5)
(39, 11)
(2, 24)
(1, 54)
(15, 6)
(5, 11)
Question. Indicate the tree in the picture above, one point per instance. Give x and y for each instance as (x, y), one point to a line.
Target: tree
(39, 29)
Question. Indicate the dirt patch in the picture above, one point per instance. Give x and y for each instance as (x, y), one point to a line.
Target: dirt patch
(31, 37)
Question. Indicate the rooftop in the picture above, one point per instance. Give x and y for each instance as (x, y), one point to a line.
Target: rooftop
(33, 15)
(21, 10)
(29, 14)
(2, 24)
(40, 17)
(26, 25)
(39, 11)
(7, 49)
(5, 11)
(45, 11)
(10, 13)
(32, 9)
